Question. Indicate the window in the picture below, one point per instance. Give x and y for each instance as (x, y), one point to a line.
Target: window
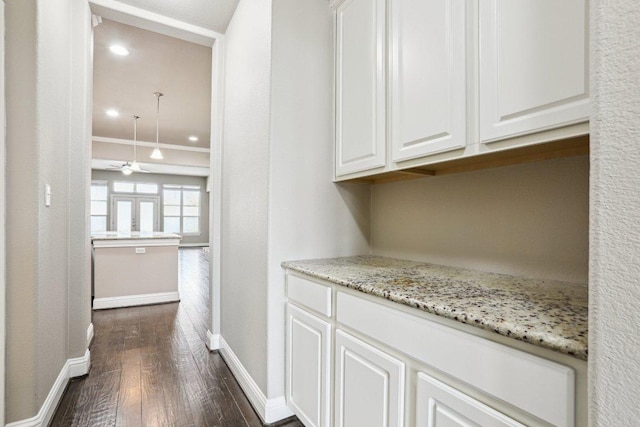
(181, 209)
(123, 187)
(135, 187)
(98, 206)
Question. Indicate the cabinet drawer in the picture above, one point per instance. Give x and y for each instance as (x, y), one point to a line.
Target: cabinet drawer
(310, 294)
(543, 388)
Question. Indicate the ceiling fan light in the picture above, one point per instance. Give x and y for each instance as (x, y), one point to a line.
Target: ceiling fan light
(126, 170)
(157, 154)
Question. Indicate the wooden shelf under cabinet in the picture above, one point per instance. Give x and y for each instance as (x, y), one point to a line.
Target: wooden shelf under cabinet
(576, 146)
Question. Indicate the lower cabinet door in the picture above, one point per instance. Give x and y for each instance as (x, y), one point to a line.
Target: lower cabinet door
(369, 385)
(439, 405)
(308, 367)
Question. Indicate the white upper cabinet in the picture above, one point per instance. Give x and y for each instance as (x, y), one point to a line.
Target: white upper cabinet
(360, 86)
(534, 66)
(428, 77)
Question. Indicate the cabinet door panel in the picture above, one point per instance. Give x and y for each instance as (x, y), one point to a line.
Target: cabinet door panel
(308, 375)
(534, 66)
(369, 385)
(428, 77)
(360, 90)
(438, 405)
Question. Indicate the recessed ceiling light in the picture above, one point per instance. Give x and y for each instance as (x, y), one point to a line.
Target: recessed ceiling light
(119, 50)
(193, 138)
(112, 113)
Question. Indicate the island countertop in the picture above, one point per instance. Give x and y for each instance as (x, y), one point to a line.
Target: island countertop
(133, 235)
(546, 313)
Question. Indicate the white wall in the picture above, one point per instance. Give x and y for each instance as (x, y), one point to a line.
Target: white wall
(529, 220)
(245, 180)
(614, 276)
(45, 287)
(309, 216)
(278, 199)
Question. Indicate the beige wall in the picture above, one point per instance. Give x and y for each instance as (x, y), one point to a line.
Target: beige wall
(245, 181)
(279, 202)
(120, 271)
(45, 291)
(161, 179)
(530, 220)
(309, 215)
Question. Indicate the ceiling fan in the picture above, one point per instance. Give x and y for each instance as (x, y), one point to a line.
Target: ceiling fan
(128, 168)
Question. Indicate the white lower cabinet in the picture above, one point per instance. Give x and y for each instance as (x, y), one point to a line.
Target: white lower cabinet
(369, 385)
(359, 361)
(438, 405)
(308, 367)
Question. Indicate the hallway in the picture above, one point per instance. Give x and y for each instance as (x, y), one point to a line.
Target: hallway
(150, 367)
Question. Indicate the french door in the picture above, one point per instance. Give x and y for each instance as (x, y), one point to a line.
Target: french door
(135, 213)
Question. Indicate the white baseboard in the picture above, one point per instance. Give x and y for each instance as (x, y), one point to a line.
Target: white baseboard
(75, 367)
(89, 334)
(269, 410)
(133, 300)
(213, 341)
(194, 245)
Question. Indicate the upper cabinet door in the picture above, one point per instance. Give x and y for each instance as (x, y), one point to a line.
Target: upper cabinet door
(428, 77)
(534, 66)
(360, 86)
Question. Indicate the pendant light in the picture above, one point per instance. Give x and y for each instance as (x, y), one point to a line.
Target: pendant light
(135, 166)
(157, 154)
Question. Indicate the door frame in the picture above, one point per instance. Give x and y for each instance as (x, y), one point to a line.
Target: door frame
(130, 15)
(3, 222)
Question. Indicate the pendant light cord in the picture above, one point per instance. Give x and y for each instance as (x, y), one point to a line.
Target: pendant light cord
(157, 154)
(135, 138)
(158, 95)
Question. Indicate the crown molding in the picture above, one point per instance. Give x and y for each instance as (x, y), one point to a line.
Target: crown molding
(150, 144)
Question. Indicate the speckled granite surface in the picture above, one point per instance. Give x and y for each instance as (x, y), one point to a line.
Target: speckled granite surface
(546, 313)
(115, 235)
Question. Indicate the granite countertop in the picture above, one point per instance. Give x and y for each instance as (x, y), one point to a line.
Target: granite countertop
(114, 235)
(545, 313)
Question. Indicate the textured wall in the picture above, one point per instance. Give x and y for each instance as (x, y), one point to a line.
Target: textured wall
(309, 216)
(162, 179)
(523, 219)
(245, 184)
(614, 276)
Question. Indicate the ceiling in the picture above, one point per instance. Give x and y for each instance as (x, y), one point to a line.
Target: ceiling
(179, 69)
(211, 14)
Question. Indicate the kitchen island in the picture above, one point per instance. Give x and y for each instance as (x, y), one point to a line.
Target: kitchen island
(134, 268)
(413, 338)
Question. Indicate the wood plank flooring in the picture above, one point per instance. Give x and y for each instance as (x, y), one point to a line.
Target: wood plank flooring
(150, 366)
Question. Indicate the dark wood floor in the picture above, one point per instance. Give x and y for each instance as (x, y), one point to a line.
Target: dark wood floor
(150, 367)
